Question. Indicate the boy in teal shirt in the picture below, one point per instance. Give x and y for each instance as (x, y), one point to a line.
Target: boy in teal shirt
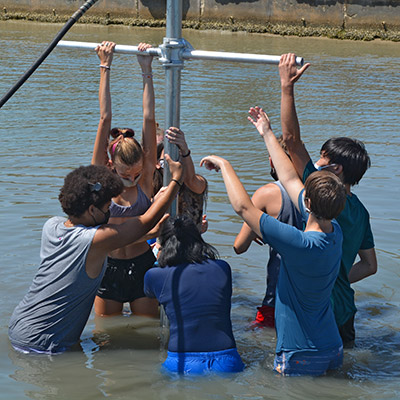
(348, 159)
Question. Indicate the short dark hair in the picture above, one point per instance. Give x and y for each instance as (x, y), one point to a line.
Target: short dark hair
(181, 242)
(350, 154)
(327, 194)
(88, 185)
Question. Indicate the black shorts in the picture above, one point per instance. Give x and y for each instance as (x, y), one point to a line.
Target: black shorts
(348, 333)
(123, 280)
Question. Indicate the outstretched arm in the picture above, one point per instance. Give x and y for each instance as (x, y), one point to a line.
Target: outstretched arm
(149, 122)
(289, 74)
(105, 52)
(111, 236)
(194, 182)
(284, 168)
(237, 194)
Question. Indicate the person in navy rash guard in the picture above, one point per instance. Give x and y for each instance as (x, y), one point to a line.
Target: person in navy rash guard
(195, 289)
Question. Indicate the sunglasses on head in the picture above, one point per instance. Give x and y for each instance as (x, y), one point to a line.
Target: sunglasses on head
(125, 132)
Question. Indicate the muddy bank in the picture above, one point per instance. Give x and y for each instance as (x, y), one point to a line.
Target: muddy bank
(302, 29)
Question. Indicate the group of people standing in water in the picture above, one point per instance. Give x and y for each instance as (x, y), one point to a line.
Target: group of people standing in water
(100, 253)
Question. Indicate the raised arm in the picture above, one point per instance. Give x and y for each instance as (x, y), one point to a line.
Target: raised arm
(289, 74)
(105, 52)
(194, 182)
(283, 166)
(149, 122)
(237, 194)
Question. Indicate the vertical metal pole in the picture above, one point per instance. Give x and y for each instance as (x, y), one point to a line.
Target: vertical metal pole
(173, 64)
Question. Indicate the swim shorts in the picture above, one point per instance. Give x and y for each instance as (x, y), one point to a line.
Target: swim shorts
(308, 362)
(124, 279)
(197, 363)
(348, 333)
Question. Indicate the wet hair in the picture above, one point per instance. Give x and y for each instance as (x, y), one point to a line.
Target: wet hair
(326, 193)
(181, 242)
(350, 154)
(124, 149)
(88, 185)
(283, 145)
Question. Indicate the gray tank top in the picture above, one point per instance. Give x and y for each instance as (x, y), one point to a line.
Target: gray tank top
(52, 315)
(289, 215)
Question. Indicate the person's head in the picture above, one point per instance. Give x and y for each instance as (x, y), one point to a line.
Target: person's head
(283, 145)
(126, 156)
(324, 195)
(89, 186)
(347, 156)
(159, 133)
(181, 242)
(158, 174)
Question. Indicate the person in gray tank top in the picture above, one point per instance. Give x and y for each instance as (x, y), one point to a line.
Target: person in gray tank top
(52, 315)
(273, 199)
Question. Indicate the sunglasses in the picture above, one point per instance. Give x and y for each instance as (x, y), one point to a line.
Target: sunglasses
(125, 132)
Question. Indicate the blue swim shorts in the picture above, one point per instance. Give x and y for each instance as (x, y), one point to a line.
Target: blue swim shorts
(315, 363)
(197, 363)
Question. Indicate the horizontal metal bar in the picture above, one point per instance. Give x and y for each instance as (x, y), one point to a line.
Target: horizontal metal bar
(119, 48)
(187, 54)
(234, 57)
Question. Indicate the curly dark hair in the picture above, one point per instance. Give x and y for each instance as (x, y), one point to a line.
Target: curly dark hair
(88, 185)
(181, 242)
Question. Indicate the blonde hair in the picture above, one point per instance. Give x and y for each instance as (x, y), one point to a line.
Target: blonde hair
(125, 150)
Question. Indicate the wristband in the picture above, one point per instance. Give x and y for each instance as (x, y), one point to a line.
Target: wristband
(186, 155)
(175, 180)
(147, 75)
(104, 66)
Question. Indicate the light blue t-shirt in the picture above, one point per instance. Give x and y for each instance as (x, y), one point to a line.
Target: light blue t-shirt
(310, 264)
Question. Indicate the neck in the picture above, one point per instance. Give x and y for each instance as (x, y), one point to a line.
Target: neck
(73, 221)
(318, 225)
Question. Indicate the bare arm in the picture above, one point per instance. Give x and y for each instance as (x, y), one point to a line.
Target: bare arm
(105, 53)
(111, 236)
(290, 124)
(237, 194)
(284, 167)
(367, 266)
(149, 122)
(194, 182)
(267, 199)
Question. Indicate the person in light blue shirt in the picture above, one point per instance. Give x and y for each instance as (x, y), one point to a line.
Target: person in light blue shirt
(308, 340)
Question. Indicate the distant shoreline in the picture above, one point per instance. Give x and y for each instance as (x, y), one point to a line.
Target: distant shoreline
(363, 34)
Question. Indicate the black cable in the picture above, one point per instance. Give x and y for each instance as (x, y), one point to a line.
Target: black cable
(49, 49)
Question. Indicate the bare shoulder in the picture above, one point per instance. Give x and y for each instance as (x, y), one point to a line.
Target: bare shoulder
(268, 199)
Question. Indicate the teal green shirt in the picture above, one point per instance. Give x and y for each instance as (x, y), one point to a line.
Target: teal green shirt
(357, 235)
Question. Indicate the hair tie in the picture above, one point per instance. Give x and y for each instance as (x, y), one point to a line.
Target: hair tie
(114, 146)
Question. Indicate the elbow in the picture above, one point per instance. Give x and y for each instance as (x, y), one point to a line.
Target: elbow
(373, 268)
(238, 249)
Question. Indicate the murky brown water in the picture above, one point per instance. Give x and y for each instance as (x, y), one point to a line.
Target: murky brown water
(49, 126)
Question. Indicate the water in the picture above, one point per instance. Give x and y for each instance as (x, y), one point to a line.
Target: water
(49, 127)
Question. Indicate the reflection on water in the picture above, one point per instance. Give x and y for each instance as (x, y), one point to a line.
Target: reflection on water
(49, 126)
